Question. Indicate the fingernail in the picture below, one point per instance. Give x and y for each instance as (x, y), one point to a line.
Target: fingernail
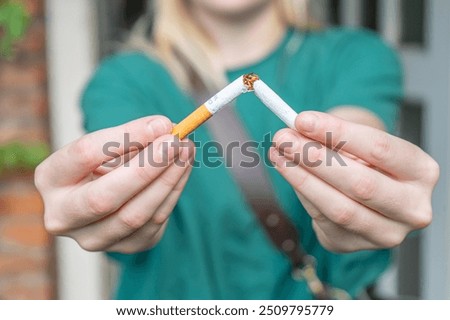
(277, 159)
(158, 126)
(308, 122)
(186, 151)
(287, 143)
(169, 147)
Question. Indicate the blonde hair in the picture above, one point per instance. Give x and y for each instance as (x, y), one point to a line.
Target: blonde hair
(185, 48)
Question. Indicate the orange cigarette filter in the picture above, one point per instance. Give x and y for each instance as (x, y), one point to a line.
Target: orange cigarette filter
(191, 122)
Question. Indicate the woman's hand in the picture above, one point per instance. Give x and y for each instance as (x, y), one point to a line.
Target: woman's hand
(110, 197)
(364, 188)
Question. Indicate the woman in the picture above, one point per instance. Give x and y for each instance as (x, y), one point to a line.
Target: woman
(183, 233)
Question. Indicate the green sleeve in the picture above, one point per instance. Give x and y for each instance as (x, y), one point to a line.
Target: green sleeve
(365, 72)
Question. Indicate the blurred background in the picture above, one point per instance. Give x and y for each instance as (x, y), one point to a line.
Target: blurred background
(49, 48)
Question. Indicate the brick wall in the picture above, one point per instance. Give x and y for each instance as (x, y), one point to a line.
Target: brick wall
(26, 252)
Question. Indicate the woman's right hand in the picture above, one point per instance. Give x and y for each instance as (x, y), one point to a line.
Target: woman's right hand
(111, 203)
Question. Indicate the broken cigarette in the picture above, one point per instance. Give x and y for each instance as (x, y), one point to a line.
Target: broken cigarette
(209, 108)
(243, 84)
(275, 103)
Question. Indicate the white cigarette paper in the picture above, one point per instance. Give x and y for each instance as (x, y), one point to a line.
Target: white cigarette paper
(275, 103)
(226, 95)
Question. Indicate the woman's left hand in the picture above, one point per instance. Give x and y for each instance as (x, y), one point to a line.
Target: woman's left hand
(363, 188)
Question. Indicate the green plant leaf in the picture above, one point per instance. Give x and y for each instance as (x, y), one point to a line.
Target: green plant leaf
(16, 155)
(14, 21)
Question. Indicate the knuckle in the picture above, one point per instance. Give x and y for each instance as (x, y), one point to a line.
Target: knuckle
(422, 218)
(364, 188)
(344, 214)
(160, 217)
(81, 150)
(432, 171)
(91, 244)
(381, 147)
(392, 239)
(133, 221)
(39, 177)
(54, 225)
(99, 202)
(427, 171)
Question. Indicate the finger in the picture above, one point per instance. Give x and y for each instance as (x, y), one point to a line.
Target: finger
(353, 157)
(107, 194)
(137, 212)
(338, 208)
(116, 162)
(166, 208)
(337, 239)
(143, 239)
(393, 155)
(332, 236)
(359, 182)
(147, 236)
(313, 212)
(78, 159)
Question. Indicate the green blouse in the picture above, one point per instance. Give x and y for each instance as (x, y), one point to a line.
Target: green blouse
(213, 247)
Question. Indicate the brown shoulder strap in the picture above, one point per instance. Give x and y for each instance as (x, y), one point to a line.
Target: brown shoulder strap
(255, 184)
